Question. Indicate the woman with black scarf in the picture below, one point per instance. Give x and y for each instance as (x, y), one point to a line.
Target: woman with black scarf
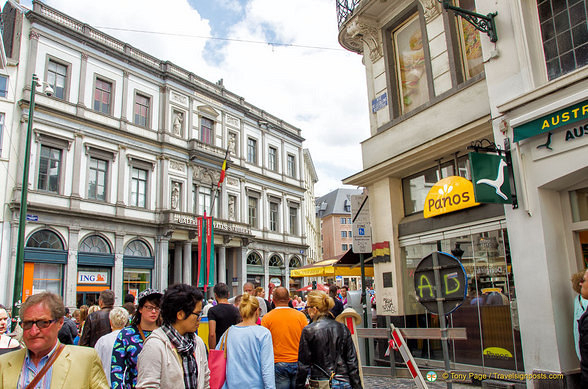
(174, 356)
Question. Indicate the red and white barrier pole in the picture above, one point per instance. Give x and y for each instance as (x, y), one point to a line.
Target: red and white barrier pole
(415, 373)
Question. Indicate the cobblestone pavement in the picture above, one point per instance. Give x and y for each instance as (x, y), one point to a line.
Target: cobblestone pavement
(375, 382)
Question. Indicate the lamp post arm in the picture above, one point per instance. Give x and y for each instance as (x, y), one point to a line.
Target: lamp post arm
(18, 277)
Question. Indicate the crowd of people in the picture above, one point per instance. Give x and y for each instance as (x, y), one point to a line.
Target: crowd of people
(155, 343)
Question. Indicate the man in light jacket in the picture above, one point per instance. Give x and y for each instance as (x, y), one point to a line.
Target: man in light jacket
(173, 356)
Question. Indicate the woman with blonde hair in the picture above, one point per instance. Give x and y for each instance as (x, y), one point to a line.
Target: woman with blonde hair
(250, 353)
(580, 305)
(326, 348)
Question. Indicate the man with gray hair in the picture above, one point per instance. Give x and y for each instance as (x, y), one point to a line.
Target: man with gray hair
(119, 319)
(98, 323)
(45, 362)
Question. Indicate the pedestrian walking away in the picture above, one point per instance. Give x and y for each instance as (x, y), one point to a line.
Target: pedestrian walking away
(285, 325)
(129, 342)
(250, 354)
(326, 348)
(221, 316)
(45, 362)
(68, 331)
(174, 356)
(98, 323)
(119, 318)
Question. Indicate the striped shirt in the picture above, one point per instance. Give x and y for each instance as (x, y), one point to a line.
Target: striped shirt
(29, 371)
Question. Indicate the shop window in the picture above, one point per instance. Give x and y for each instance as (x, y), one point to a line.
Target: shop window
(295, 262)
(142, 114)
(49, 169)
(470, 46)
(47, 277)
(276, 261)
(564, 35)
(272, 160)
(136, 280)
(103, 96)
(579, 204)
(95, 244)
(137, 248)
(45, 239)
(254, 259)
(409, 64)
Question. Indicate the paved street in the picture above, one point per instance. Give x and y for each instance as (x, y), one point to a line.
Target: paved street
(374, 382)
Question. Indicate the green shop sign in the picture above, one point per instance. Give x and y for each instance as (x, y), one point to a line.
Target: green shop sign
(550, 122)
(491, 178)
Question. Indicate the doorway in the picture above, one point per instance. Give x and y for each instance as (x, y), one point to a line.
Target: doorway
(87, 298)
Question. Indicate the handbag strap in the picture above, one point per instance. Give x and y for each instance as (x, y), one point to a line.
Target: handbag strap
(224, 341)
(45, 368)
(141, 332)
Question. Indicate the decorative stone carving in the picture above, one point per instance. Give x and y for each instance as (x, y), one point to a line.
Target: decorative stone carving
(205, 176)
(34, 35)
(232, 143)
(178, 166)
(179, 98)
(232, 181)
(365, 33)
(232, 201)
(175, 196)
(431, 9)
(232, 121)
(178, 123)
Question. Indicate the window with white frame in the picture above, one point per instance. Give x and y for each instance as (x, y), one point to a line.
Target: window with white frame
(3, 86)
(206, 130)
(142, 110)
(252, 209)
(139, 187)
(103, 96)
(343, 220)
(204, 201)
(274, 208)
(97, 178)
(57, 78)
(293, 215)
(251, 150)
(49, 169)
(272, 160)
(291, 166)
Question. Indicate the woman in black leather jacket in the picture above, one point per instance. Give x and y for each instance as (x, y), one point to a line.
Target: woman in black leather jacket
(326, 348)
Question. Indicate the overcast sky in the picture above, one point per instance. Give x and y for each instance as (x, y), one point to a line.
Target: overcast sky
(320, 90)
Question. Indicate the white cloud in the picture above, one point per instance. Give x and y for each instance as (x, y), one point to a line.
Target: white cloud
(322, 92)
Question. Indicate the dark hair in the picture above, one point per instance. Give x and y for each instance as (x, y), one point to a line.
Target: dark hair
(154, 299)
(345, 287)
(333, 290)
(130, 307)
(49, 300)
(129, 298)
(107, 297)
(179, 297)
(221, 290)
(66, 311)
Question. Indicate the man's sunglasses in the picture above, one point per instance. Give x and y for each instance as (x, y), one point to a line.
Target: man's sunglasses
(41, 324)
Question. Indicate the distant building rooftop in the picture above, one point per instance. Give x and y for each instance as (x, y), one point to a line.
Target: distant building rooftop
(337, 202)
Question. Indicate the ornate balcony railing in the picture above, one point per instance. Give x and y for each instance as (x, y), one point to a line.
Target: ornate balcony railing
(344, 9)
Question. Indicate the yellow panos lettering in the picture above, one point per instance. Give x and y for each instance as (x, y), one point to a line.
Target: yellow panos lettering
(565, 117)
(545, 124)
(425, 284)
(446, 282)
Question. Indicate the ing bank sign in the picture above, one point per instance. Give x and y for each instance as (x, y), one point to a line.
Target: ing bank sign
(449, 195)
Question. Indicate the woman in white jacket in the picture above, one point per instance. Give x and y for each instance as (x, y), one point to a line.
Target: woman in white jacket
(173, 356)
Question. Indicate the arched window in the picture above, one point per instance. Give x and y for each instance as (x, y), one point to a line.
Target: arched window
(276, 261)
(295, 262)
(254, 259)
(94, 244)
(137, 248)
(45, 239)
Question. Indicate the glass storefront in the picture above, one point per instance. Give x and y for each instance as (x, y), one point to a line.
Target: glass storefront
(91, 281)
(136, 280)
(489, 312)
(47, 277)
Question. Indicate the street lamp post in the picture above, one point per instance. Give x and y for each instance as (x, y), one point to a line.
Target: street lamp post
(18, 276)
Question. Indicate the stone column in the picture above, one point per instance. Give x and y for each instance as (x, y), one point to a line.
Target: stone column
(122, 168)
(187, 263)
(222, 264)
(177, 262)
(161, 262)
(83, 71)
(71, 272)
(242, 268)
(189, 186)
(118, 271)
(125, 97)
(76, 184)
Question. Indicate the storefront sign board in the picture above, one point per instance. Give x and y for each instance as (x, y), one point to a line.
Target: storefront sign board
(448, 195)
(92, 277)
(490, 178)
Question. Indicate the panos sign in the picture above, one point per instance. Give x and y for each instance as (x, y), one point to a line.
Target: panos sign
(449, 195)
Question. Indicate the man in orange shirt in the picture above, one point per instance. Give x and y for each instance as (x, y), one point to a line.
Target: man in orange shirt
(286, 326)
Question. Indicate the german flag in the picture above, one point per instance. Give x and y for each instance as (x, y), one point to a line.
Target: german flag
(381, 252)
